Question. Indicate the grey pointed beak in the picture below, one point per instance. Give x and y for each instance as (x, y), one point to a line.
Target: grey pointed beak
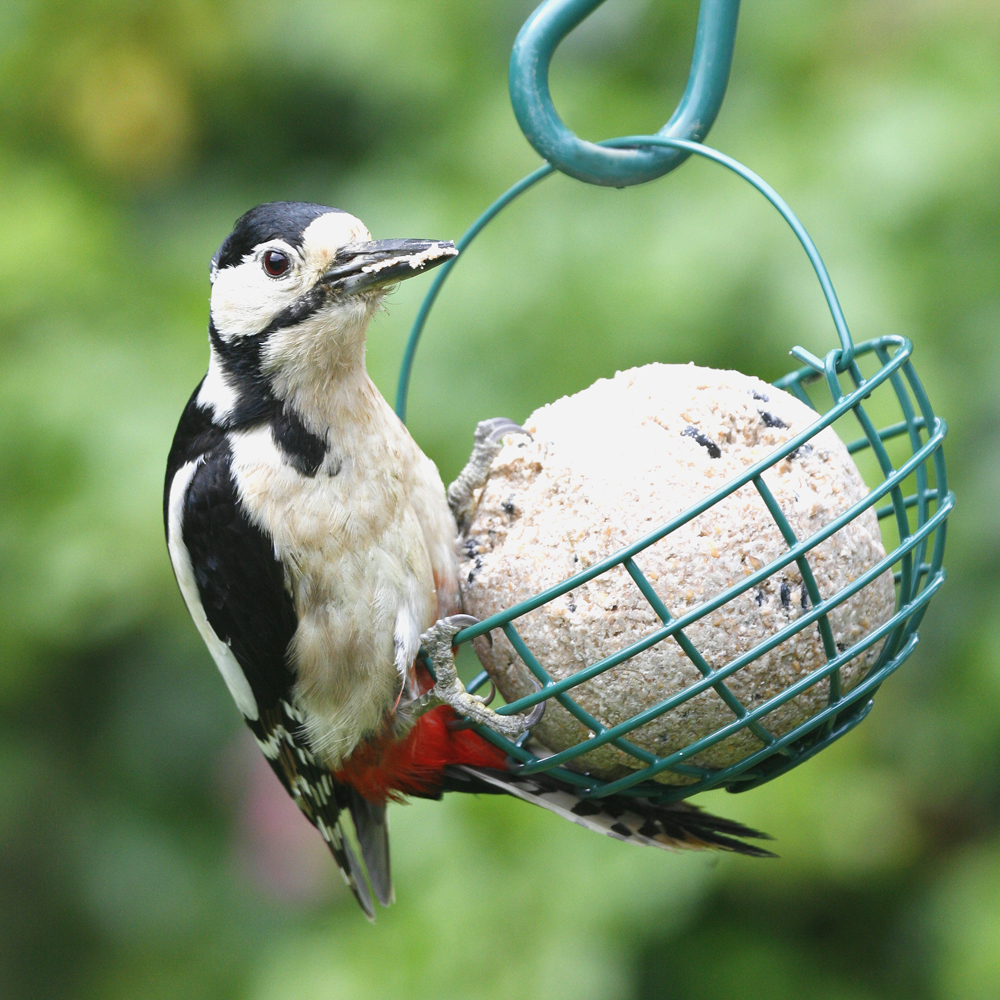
(360, 267)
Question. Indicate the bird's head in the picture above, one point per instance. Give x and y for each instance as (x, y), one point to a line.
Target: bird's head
(293, 288)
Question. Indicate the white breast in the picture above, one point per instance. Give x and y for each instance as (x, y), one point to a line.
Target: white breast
(358, 567)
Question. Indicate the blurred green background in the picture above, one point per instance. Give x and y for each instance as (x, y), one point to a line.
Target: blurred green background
(145, 849)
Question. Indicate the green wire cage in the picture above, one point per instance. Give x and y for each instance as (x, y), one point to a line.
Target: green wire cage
(901, 452)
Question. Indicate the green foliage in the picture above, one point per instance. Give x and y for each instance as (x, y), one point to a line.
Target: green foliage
(143, 851)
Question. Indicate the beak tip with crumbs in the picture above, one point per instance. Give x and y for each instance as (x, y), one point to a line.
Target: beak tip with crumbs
(363, 266)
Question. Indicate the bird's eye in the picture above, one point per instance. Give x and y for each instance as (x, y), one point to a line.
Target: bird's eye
(275, 263)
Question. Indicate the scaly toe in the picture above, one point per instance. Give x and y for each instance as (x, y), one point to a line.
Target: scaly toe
(446, 629)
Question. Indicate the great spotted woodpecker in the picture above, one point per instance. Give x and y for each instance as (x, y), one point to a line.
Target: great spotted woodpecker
(314, 545)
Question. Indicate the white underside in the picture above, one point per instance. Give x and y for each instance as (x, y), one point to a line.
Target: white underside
(366, 543)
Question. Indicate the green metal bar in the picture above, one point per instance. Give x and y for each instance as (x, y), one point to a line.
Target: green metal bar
(592, 786)
(403, 389)
(579, 713)
(611, 787)
(833, 373)
(799, 392)
(816, 364)
(826, 631)
(842, 714)
(878, 448)
(847, 347)
(551, 688)
(909, 502)
(909, 615)
(759, 650)
(477, 682)
(893, 430)
(941, 483)
(692, 653)
(692, 690)
(866, 690)
(586, 161)
(914, 424)
(501, 618)
(805, 376)
(921, 571)
(744, 782)
(902, 521)
(845, 356)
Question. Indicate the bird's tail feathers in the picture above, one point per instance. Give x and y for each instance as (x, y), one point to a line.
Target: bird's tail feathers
(673, 825)
(371, 826)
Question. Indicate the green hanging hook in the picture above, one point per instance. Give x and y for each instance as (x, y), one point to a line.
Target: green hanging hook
(545, 130)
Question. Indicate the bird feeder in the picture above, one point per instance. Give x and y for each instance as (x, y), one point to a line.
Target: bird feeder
(851, 380)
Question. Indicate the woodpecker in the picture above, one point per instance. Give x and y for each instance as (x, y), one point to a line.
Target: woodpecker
(314, 545)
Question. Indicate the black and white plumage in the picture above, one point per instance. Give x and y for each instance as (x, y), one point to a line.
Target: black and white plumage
(636, 820)
(275, 509)
(314, 546)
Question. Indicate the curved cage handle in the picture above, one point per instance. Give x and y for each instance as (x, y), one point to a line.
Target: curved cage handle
(838, 360)
(586, 161)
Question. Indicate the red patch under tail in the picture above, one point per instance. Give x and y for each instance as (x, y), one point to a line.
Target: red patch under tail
(387, 769)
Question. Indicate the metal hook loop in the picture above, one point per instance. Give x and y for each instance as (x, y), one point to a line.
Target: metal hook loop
(544, 129)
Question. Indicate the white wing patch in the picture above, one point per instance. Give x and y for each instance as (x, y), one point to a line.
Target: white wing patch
(232, 673)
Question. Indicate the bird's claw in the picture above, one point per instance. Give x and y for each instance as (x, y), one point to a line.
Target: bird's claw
(449, 690)
(487, 444)
(492, 431)
(538, 711)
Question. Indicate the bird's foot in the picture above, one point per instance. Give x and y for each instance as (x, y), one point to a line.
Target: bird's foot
(449, 690)
(487, 444)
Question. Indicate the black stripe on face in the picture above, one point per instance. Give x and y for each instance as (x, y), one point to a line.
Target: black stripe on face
(276, 220)
(255, 404)
(241, 358)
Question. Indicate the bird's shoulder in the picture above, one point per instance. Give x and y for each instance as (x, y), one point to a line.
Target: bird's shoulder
(197, 436)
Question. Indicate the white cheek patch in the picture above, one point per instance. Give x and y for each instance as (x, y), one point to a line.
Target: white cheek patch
(245, 299)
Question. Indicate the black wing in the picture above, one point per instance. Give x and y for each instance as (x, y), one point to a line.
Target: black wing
(241, 586)
(240, 581)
